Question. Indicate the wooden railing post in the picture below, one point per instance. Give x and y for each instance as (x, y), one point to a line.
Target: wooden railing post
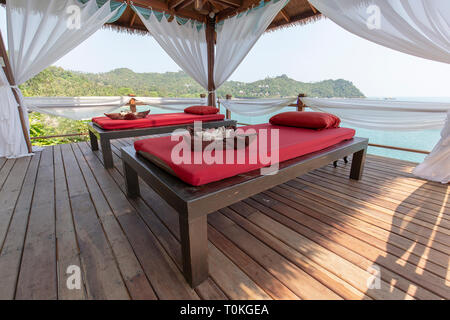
(210, 43)
(300, 105)
(132, 103)
(12, 82)
(228, 112)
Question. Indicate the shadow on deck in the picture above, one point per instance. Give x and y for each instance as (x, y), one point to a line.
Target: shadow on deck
(320, 236)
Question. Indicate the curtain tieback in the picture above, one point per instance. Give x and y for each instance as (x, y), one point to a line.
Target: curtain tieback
(19, 93)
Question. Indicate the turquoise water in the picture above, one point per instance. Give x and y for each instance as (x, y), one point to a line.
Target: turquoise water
(421, 140)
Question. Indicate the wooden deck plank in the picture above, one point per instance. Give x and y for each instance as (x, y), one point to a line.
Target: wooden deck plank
(256, 272)
(6, 170)
(313, 237)
(375, 214)
(170, 219)
(170, 241)
(355, 251)
(39, 254)
(11, 252)
(297, 280)
(411, 271)
(233, 280)
(134, 277)
(392, 176)
(9, 194)
(347, 216)
(392, 183)
(68, 252)
(387, 198)
(359, 241)
(100, 271)
(167, 240)
(166, 280)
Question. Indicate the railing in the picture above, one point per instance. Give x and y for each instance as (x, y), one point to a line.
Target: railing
(60, 136)
(300, 107)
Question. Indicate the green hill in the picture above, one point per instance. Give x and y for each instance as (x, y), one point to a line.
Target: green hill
(55, 81)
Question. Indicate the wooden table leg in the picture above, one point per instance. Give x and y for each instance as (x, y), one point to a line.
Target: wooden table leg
(94, 141)
(194, 247)
(107, 153)
(131, 181)
(358, 164)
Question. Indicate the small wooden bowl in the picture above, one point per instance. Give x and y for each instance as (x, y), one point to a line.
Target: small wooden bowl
(230, 143)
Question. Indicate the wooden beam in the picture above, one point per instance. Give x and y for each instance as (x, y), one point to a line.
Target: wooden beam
(198, 4)
(175, 3)
(228, 112)
(293, 19)
(217, 6)
(164, 7)
(246, 4)
(230, 3)
(133, 19)
(210, 39)
(312, 7)
(185, 4)
(285, 15)
(9, 75)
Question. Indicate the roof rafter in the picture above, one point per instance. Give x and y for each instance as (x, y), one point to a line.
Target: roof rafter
(285, 15)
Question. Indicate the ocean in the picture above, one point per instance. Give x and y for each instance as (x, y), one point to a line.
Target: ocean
(420, 140)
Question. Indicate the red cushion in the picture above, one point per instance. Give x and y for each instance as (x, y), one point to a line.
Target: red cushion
(154, 120)
(201, 110)
(294, 142)
(310, 120)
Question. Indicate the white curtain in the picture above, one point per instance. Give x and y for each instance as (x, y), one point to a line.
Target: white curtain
(436, 165)
(383, 114)
(184, 41)
(256, 107)
(417, 27)
(41, 32)
(10, 127)
(75, 108)
(237, 35)
(176, 104)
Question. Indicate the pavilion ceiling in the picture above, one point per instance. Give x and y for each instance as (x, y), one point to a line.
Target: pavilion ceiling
(295, 12)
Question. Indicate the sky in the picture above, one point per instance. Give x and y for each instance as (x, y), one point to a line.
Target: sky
(318, 51)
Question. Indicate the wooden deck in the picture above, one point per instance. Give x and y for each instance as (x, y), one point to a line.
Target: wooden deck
(315, 237)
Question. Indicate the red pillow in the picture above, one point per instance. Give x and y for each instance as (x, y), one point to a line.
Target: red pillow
(201, 110)
(302, 119)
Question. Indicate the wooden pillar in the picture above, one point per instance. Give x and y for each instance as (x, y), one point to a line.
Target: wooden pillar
(8, 72)
(132, 103)
(300, 105)
(210, 43)
(228, 113)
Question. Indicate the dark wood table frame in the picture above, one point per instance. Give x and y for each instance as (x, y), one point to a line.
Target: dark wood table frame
(193, 204)
(105, 136)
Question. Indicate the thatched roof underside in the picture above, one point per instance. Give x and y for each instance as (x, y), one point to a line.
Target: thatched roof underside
(295, 12)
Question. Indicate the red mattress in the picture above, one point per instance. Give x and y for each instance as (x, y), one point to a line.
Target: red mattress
(293, 142)
(155, 120)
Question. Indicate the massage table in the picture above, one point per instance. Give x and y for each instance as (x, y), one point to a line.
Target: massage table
(105, 129)
(194, 203)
